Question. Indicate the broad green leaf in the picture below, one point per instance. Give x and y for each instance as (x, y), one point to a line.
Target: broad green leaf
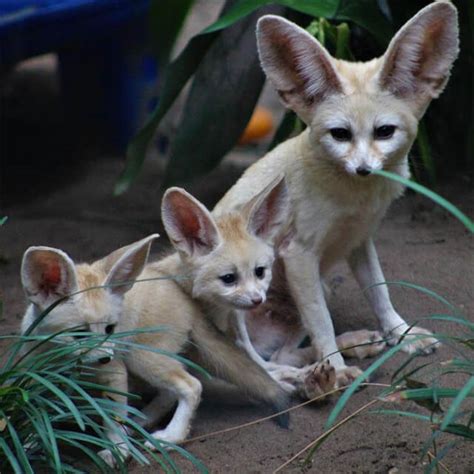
(184, 66)
(165, 19)
(175, 77)
(468, 223)
(215, 113)
(366, 13)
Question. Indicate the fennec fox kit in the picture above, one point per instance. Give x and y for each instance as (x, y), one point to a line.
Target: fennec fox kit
(227, 265)
(49, 274)
(361, 117)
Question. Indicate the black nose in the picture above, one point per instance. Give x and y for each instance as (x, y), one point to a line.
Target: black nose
(105, 360)
(362, 171)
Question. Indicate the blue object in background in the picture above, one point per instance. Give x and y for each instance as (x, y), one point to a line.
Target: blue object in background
(108, 76)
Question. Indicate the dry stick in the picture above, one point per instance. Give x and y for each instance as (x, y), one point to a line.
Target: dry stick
(259, 420)
(432, 456)
(299, 453)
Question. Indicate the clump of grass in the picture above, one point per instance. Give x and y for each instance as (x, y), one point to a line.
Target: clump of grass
(53, 415)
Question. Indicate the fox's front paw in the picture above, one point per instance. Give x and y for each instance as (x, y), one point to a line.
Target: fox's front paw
(320, 380)
(347, 375)
(426, 344)
(111, 459)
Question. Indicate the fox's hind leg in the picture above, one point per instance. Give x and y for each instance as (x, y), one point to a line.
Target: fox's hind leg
(162, 371)
(360, 344)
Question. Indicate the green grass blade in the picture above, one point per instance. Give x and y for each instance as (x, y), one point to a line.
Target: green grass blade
(420, 288)
(432, 393)
(19, 449)
(53, 442)
(407, 414)
(466, 391)
(460, 430)
(451, 208)
(97, 460)
(439, 456)
(61, 395)
(364, 376)
(3, 220)
(10, 457)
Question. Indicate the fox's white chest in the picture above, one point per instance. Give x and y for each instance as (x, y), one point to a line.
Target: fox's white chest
(333, 225)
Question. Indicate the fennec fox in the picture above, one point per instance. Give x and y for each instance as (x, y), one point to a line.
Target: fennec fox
(49, 274)
(361, 117)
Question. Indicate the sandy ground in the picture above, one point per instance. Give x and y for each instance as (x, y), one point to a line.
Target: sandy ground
(57, 191)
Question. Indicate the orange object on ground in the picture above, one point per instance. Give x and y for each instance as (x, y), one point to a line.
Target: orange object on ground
(259, 126)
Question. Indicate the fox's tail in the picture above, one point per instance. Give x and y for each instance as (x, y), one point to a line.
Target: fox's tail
(227, 361)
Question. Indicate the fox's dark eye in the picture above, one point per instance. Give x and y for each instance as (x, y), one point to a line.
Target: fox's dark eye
(229, 278)
(385, 131)
(109, 329)
(260, 272)
(341, 134)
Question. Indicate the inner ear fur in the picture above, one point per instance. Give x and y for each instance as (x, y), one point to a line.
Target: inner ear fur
(418, 60)
(128, 264)
(47, 274)
(300, 68)
(188, 223)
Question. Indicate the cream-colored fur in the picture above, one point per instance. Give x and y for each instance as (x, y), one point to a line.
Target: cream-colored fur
(361, 117)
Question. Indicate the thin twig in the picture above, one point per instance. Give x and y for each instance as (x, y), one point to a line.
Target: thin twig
(274, 415)
(326, 433)
(432, 456)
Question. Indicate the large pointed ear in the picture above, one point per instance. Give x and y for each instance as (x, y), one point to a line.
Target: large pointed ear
(129, 263)
(188, 223)
(418, 60)
(47, 274)
(268, 211)
(300, 69)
